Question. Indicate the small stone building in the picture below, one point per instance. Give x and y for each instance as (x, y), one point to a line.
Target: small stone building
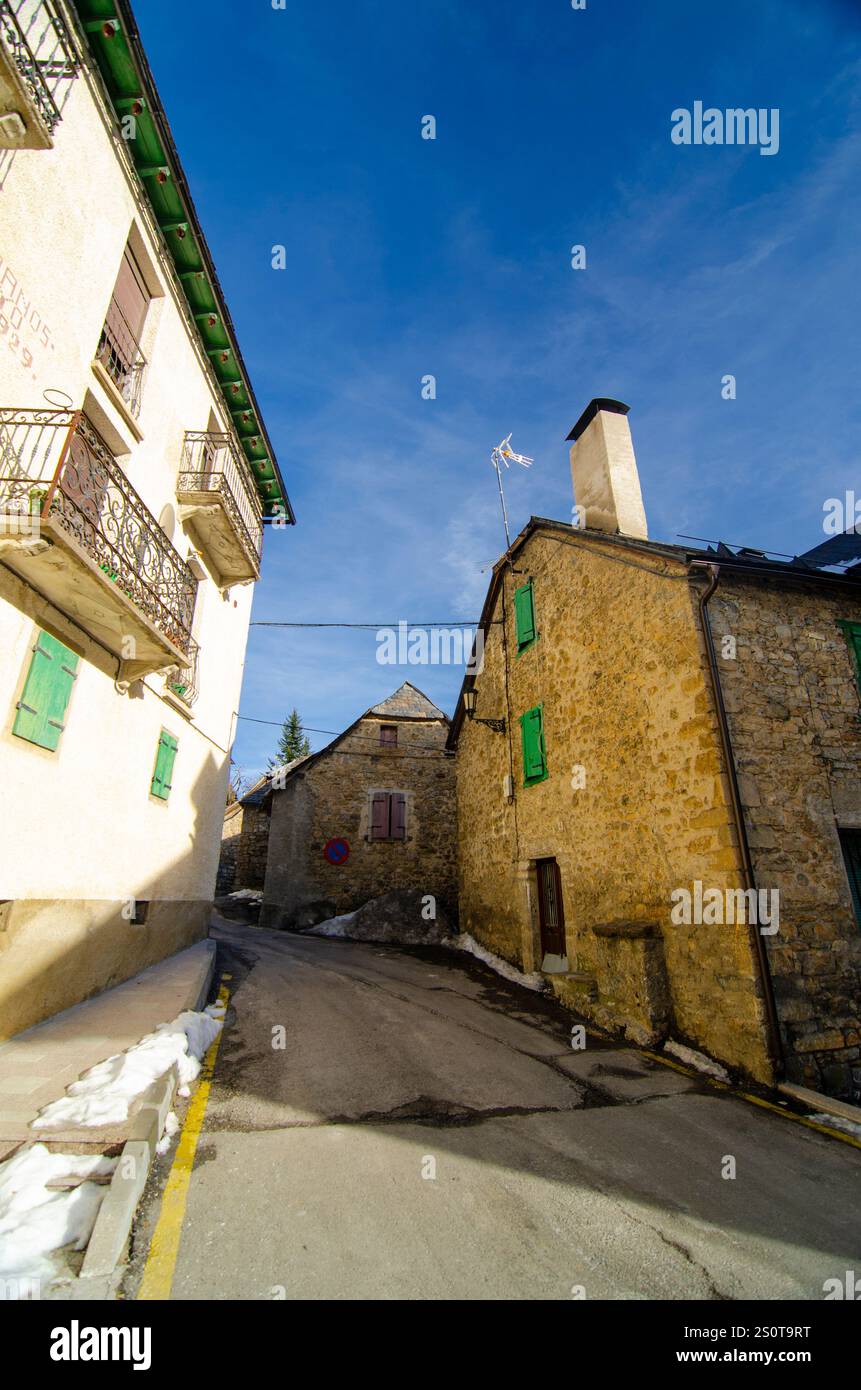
(656, 724)
(244, 841)
(372, 812)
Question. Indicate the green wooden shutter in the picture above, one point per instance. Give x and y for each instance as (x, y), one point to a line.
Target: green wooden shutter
(524, 616)
(164, 761)
(532, 739)
(41, 715)
(850, 841)
(852, 633)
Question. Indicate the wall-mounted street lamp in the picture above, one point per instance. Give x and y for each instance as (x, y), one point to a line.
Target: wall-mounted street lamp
(469, 699)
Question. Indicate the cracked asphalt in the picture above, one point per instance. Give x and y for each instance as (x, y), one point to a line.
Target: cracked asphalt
(427, 1132)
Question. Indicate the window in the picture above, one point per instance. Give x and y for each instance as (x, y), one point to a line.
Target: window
(388, 816)
(47, 692)
(389, 735)
(852, 633)
(119, 346)
(534, 751)
(164, 761)
(524, 616)
(850, 843)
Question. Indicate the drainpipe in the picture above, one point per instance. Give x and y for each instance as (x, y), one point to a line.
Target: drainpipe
(775, 1045)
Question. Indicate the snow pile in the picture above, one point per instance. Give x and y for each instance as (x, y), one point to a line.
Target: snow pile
(837, 1122)
(334, 926)
(697, 1060)
(250, 893)
(171, 1127)
(34, 1220)
(468, 943)
(103, 1094)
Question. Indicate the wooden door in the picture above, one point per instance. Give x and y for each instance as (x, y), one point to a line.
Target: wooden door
(551, 915)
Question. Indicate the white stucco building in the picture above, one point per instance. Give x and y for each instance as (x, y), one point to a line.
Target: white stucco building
(135, 474)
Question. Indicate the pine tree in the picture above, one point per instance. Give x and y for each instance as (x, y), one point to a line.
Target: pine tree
(292, 742)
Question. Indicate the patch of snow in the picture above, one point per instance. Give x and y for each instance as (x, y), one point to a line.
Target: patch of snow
(36, 1221)
(697, 1060)
(837, 1122)
(171, 1127)
(468, 943)
(335, 926)
(250, 893)
(103, 1094)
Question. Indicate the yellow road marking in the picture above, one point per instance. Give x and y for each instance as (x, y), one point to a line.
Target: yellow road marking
(756, 1100)
(164, 1247)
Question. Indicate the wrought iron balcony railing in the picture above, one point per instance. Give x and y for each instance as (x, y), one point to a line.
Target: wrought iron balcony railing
(120, 355)
(184, 681)
(212, 463)
(55, 464)
(38, 43)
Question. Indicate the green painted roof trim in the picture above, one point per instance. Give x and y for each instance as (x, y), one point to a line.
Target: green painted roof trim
(119, 56)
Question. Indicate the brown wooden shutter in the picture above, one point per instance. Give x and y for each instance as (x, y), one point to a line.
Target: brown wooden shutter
(131, 294)
(379, 816)
(399, 816)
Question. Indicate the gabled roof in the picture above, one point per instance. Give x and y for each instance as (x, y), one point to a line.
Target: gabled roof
(754, 564)
(408, 702)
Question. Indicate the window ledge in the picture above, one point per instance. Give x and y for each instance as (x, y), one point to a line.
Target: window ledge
(177, 702)
(627, 930)
(115, 397)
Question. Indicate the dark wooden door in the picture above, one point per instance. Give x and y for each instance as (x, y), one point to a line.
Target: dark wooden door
(851, 843)
(550, 912)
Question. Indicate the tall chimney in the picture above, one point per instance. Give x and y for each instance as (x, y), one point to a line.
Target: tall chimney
(604, 470)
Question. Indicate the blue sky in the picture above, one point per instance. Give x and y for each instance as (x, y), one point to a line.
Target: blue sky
(451, 257)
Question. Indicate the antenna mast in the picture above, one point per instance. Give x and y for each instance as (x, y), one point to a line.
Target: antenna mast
(502, 454)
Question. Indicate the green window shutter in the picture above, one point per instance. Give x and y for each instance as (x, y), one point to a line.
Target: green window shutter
(41, 715)
(524, 616)
(532, 740)
(852, 633)
(164, 761)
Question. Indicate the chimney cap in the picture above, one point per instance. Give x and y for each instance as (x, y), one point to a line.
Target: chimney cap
(599, 403)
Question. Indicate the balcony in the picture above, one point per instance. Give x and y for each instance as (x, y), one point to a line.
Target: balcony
(121, 359)
(217, 495)
(75, 530)
(36, 59)
(184, 681)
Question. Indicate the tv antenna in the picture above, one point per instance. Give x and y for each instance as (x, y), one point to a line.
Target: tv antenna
(504, 454)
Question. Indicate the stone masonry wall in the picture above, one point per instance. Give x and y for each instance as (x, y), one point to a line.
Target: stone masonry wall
(794, 711)
(332, 799)
(231, 833)
(620, 669)
(253, 848)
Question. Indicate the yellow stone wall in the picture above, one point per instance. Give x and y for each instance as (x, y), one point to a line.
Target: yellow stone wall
(332, 799)
(620, 669)
(792, 699)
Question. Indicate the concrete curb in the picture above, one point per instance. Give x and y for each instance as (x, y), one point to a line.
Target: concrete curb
(824, 1105)
(99, 1274)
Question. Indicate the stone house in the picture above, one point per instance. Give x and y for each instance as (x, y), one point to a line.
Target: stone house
(245, 840)
(371, 812)
(678, 725)
(135, 476)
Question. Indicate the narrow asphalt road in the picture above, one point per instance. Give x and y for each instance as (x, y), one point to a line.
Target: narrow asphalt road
(427, 1132)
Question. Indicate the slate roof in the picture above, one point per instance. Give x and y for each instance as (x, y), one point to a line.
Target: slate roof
(407, 703)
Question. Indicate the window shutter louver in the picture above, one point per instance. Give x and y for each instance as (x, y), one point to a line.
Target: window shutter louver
(131, 294)
(165, 758)
(852, 633)
(399, 816)
(524, 615)
(532, 740)
(379, 816)
(41, 715)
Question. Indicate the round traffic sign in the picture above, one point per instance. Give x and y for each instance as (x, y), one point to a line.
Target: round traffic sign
(337, 851)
